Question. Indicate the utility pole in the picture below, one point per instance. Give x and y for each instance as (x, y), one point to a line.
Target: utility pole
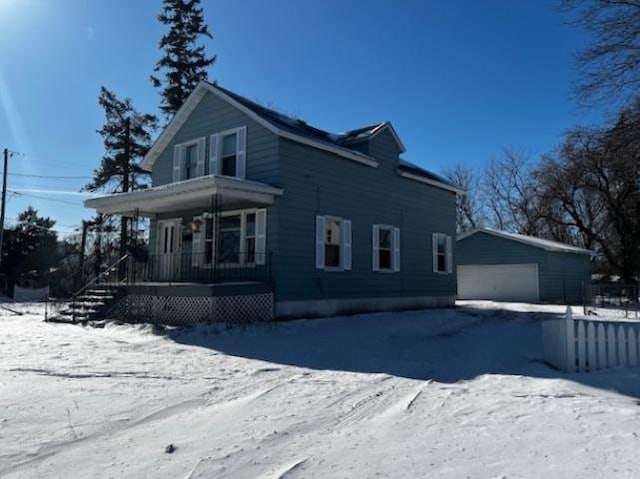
(83, 245)
(4, 199)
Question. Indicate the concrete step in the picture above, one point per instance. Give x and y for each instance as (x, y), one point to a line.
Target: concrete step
(94, 299)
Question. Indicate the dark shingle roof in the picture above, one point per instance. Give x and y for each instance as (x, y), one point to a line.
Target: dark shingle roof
(341, 140)
(416, 170)
(300, 127)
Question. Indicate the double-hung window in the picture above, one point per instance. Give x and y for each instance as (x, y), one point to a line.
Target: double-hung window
(250, 238)
(229, 239)
(442, 253)
(227, 153)
(386, 248)
(191, 161)
(236, 238)
(333, 243)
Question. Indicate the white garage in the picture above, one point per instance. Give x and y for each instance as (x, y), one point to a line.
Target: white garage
(500, 282)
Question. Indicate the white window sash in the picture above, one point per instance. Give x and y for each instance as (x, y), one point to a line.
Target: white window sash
(447, 253)
(215, 154)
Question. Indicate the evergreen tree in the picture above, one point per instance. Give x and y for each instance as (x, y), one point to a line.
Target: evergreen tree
(116, 172)
(126, 135)
(184, 62)
(31, 248)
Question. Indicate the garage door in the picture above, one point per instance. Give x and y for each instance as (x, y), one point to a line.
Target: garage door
(503, 282)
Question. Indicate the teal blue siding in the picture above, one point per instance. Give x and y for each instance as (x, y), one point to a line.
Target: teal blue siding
(561, 276)
(321, 183)
(213, 115)
(317, 182)
(187, 217)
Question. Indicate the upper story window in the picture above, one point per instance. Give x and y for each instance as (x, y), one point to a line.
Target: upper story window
(386, 248)
(442, 253)
(333, 243)
(227, 153)
(189, 159)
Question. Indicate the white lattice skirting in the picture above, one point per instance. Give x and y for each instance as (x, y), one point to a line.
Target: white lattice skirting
(189, 310)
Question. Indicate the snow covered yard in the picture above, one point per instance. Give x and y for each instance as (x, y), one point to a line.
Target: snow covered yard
(439, 393)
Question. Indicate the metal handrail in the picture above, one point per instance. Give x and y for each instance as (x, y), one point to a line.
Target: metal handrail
(109, 269)
(180, 267)
(94, 280)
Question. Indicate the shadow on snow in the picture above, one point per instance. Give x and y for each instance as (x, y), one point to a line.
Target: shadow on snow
(445, 345)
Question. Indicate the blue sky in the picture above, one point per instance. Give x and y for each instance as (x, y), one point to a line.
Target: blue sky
(459, 79)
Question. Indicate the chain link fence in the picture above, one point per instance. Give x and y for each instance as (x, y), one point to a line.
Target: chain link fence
(612, 300)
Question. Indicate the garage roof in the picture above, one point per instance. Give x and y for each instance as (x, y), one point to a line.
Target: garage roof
(529, 240)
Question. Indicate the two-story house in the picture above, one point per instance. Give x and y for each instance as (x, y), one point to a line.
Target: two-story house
(256, 214)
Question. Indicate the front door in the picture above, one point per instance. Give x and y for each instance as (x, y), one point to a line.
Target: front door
(169, 250)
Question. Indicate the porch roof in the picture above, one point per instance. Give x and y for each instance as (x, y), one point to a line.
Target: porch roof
(185, 194)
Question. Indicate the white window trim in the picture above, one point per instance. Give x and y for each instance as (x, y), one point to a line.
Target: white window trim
(241, 151)
(392, 248)
(448, 254)
(200, 142)
(344, 244)
(243, 225)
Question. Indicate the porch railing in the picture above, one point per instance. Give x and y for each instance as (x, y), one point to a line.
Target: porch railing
(183, 268)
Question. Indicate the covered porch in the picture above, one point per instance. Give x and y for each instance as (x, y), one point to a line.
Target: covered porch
(206, 230)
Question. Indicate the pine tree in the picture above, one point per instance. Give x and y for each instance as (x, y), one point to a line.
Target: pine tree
(116, 172)
(30, 248)
(184, 62)
(126, 135)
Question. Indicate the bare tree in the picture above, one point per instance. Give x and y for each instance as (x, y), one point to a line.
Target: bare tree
(592, 185)
(610, 66)
(510, 193)
(470, 211)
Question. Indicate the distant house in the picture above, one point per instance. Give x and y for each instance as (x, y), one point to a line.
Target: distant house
(505, 266)
(250, 207)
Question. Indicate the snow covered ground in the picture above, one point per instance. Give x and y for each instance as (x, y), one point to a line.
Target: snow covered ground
(439, 393)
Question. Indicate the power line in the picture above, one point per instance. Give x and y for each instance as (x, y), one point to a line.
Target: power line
(38, 160)
(16, 223)
(50, 177)
(45, 198)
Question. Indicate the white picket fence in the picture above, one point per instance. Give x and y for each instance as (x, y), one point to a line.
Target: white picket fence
(579, 345)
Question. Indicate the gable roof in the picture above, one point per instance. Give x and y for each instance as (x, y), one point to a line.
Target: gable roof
(302, 128)
(276, 122)
(545, 244)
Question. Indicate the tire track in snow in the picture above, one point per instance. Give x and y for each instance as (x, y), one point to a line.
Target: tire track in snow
(111, 428)
(373, 404)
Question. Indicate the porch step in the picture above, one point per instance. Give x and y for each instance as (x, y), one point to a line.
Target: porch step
(88, 306)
